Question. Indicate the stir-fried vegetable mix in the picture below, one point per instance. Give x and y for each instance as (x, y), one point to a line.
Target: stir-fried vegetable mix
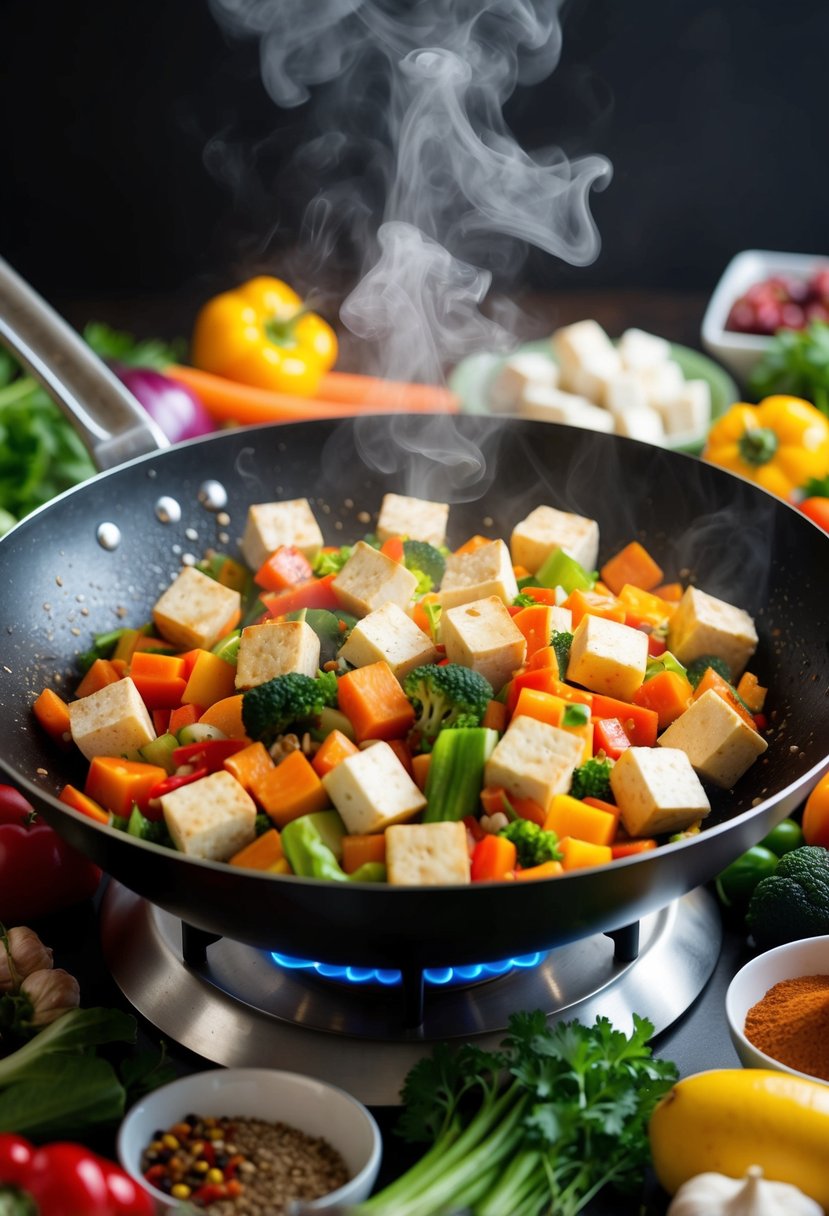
(394, 711)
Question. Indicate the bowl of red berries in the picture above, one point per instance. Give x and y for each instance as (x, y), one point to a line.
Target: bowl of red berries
(760, 294)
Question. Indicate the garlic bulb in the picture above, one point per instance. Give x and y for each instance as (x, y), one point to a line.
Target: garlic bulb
(753, 1195)
(21, 953)
(52, 994)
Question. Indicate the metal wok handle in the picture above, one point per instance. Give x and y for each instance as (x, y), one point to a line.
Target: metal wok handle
(105, 414)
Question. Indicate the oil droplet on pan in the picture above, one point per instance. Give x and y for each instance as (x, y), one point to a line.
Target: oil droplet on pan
(167, 510)
(213, 495)
(108, 536)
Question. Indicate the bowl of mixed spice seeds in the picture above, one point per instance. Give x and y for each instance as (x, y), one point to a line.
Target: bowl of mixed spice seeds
(250, 1142)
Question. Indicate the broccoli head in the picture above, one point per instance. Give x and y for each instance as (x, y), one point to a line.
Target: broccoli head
(793, 902)
(561, 641)
(533, 845)
(269, 709)
(697, 668)
(592, 779)
(427, 562)
(445, 697)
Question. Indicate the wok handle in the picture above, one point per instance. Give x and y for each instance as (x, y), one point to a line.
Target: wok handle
(102, 410)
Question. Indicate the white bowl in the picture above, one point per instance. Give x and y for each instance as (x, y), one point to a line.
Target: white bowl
(312, 1106)
(809, 956)
(740, 352)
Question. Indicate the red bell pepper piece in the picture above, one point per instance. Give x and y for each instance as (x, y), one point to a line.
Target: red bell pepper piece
(210, 753)
(285, 567)
(315, 593)
(39, 872)
(609, 736)
(67, 1179)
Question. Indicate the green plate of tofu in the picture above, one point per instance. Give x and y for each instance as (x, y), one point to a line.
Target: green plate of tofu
(639, 385)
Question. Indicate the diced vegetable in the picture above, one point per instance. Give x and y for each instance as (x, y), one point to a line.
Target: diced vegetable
(453, 785)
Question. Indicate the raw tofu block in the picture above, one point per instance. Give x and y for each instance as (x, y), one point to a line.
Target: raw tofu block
(473, 576)
(534, 760)
(196, 610)
(275, 648)
(212, 818)
(482, 635)
(552, 405)
(416, 518)
(389, 634)
(702, 624)
(545, 529)
(717, 741)
(641, 422)
(608, 657)
(113, 721)
(626, 391)
(639, 350)
(369, 579)
(587, 356)
(372, 789)
(664, 383)
(427, 854)
(517, 374)
(561, 618)
(657, 791)
(690, 412)
(271, 524)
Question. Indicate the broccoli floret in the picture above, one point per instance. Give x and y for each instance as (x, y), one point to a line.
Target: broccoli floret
(697, 668)
(269, 709)
(444, 698)
(561, 642)
(592, 779)
(793, 902)
(425, 561)
(533, 844)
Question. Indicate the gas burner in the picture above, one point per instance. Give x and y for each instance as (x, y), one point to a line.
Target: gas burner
(230, 1004)
(440, 977)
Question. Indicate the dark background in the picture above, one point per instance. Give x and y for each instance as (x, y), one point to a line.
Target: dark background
(141, 154)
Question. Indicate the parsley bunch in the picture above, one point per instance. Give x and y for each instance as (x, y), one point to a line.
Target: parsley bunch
(796, 362)
(570, 1119)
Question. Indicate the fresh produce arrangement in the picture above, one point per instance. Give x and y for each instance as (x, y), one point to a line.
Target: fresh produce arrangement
(570, 1119)
(392, 711)
(781, 301)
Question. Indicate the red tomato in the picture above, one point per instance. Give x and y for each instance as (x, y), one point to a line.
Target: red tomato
(817, 509)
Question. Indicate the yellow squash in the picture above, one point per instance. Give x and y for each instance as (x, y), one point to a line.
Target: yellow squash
(781, 443)
(727, 1120)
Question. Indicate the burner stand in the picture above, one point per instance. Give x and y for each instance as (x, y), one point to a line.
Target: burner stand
(233, 1005)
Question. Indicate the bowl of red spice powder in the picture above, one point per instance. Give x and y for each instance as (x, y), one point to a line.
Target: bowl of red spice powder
(778, 1009)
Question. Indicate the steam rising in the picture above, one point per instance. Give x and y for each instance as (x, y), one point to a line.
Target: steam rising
(412, 166)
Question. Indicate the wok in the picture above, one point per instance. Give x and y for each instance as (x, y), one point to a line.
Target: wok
(61, 585)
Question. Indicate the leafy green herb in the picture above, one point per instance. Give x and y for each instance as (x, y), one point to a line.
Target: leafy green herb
(816, 487)
(523, 600)
(796, 362)
(561, 641)
(572, 1120)
(575, 715)
(120, 347)
(144, 1071)
(331, 562)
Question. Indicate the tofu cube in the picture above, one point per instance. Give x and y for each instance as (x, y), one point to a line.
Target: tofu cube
(587, 357)
(552, 405)
(664, 383)
(473, 576)
(482, 635)
(370, 579)
(703, 624)
(389, 634)
(113, 721)
(657, 791)
(641, 422)
(271, 524)
(211, 818)
(690, 412)
(717, 741)
(275, 648)
(545, 529)
(195, 611)
(534, 760)
(427, 854)
(417, 518)
(517, 374)
(639, 350)
(372, 790)
(625, 392)
(608, 657)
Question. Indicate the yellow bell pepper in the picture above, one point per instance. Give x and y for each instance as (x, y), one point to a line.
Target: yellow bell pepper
(261, 334)
(780, 443)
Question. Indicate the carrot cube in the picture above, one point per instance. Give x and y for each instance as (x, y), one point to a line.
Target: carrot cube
(641, 725)
(668, 694)
(536, 624)
(362, 848)
(159, 678)
(494, 857)
(184, 715)
(633, 564)
(495, 716)
(263, 853)
(581, 854)
(581, 603)
(99, 675)
(420, 769)
(249, 765)
(290, 789)
(374, 703)
(334, 748)
(547, 869)
(285, 567)
(226, 716)
(81, 802)
(544, 706)
(116, 784)
(52, 713)
(211, 680)
(572, 817)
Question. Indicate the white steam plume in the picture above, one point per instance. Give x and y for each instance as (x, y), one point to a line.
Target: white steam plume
(412, 165)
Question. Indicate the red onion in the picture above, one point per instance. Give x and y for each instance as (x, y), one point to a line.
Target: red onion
(175, 408)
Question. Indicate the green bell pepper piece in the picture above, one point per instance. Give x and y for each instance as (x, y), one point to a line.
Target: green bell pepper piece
(456, 772)
(559, 569)
(313, 847)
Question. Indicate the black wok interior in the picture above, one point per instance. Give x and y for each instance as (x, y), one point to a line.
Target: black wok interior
(60, 586)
